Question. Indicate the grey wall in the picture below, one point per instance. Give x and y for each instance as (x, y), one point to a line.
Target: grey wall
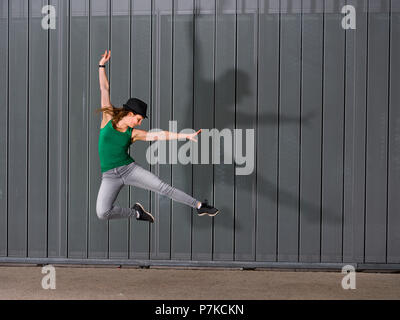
(324, 102)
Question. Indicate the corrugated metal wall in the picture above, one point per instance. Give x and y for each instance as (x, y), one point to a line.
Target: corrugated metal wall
(324, 102)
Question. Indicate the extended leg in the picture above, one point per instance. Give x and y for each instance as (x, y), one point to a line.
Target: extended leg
(145, 179)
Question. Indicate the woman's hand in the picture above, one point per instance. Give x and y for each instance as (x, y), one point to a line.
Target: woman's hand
(191, 136)
(105, 57)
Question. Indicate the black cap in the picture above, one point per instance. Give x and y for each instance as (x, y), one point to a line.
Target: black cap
(137, 106)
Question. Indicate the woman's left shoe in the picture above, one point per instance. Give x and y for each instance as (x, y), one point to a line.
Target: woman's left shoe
(142, 214)
(207, 209)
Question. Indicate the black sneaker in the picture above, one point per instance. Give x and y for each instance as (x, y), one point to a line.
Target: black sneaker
(142, 214)
(207, 209)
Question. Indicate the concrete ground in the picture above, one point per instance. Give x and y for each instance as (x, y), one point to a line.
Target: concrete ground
(86, 282)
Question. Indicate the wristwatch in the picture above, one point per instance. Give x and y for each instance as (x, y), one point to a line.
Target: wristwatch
(102, 66)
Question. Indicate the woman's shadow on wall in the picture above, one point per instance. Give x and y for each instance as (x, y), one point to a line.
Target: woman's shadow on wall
(226, 106)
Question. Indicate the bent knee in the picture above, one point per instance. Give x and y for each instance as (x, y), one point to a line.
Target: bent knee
(102, 214)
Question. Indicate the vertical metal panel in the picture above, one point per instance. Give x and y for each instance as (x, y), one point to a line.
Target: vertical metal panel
(78, 130)
(393, 237)
(161, 114)
(355, 121)
(18, 123)
(289, 139)
(332, 140)
(141, 57)
(37, 132)
(224, 173)
(99, 35)
(119, 90)
(310, 151)
(58, 132)
(182, 97)
(204, 33)
(377, 140)
(267, 133)
(246, 113)
(3, 125)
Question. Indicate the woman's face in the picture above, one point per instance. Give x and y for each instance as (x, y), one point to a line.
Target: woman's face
(134, 119)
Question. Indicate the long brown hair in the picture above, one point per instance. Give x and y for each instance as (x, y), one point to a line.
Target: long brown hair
(116, 113)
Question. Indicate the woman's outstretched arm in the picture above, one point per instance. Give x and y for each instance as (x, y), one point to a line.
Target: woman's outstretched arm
(161, 135)
(104, 85)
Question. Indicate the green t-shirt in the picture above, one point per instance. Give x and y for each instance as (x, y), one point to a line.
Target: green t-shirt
(113, 147)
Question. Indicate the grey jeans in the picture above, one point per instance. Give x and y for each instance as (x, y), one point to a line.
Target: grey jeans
(132, 174)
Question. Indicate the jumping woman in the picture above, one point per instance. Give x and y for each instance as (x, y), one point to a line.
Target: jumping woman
(117, 133)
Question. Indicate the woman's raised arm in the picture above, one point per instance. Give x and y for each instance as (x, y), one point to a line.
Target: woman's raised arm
(104, 85)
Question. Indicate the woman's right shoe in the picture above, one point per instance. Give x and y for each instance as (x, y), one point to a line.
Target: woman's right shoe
(142, 214)
(207, 209)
